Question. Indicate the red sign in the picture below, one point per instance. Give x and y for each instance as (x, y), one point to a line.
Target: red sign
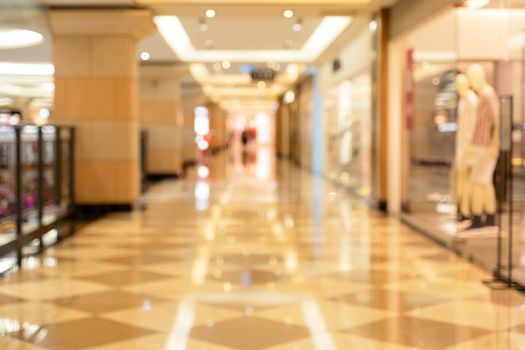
(410, 91)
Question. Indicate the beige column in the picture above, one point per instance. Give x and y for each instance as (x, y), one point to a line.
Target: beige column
(218, 125)
(96, 91)
(161, 115)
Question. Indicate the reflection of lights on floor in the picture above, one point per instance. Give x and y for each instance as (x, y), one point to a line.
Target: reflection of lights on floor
(209, 232)
(202, 195)
(7, 263)
(203, 171)
(291, 261)
(364, 191)
(10, 326)
(278, 232)
(200, 266)
(146, 305)
(450, 228)
(314, 319)
(178, 339)
(262, 170)
(31, 263)
(446, 208)
(271, 214)
(288, 221)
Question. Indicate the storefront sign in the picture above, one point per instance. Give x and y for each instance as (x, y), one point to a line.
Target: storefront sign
(263, 74)
(409, 90)
(336, 65)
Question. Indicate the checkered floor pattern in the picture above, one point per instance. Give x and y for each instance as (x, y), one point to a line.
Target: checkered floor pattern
(285, 262)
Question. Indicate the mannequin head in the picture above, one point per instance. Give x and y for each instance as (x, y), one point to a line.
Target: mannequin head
(462, 85)
(476, 76)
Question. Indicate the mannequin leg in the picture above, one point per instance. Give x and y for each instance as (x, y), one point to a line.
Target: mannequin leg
(484, 202)
(490, 205)
(478, 199)
(490, 200)
(463, 192)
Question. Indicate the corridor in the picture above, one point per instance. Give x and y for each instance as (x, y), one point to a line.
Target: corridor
(253, 255)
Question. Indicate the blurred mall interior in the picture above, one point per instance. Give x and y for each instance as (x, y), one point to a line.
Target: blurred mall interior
(262, 174)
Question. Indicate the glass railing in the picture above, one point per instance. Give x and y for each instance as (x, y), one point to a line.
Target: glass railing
(36, 188)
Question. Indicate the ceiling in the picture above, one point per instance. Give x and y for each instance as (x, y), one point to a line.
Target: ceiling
(243, 32)
(269, 33)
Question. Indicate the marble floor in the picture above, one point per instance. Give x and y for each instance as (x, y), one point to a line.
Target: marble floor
(249, 256)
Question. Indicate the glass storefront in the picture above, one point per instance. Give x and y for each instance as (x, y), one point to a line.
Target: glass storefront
(347, 85)
(462, 113)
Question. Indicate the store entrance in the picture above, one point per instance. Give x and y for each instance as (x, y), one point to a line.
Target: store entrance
(462, 103)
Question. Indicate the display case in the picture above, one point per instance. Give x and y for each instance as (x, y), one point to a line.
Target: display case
(36, 186)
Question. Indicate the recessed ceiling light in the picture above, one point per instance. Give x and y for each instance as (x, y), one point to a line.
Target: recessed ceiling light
(208, 43)
(210, 13)
(289, 97)
(298, 26)
(373, 25)
(16, 38)
(261, 85)
(288, 13)
(226, 64)
(217, 66)
(145, 56)
(476, 4)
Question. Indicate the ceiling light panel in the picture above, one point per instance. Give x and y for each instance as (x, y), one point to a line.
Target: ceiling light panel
(324, 34)
(476, 4)
(249, 33)
(41, 69)
(18, 38)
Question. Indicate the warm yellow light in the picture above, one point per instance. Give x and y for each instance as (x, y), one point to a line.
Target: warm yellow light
(288, 13)
(261, 85)
(199, 72)
(476, 4)
(226, 64)
(210, 13)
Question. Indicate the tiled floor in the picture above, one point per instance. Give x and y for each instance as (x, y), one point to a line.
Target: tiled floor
(257, 257)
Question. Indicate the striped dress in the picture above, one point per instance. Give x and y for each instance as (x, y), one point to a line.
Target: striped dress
(487, 117)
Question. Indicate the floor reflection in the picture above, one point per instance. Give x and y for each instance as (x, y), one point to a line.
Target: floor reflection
(252, 253)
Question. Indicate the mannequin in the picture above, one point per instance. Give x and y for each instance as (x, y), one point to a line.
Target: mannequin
(484, 149)
(467, 112)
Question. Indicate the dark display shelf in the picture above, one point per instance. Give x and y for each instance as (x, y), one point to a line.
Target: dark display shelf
(36, 184)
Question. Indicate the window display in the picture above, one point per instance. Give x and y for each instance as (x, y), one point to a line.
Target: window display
(467, 111)
(483, 151)
(347, 114)
(452, 177)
